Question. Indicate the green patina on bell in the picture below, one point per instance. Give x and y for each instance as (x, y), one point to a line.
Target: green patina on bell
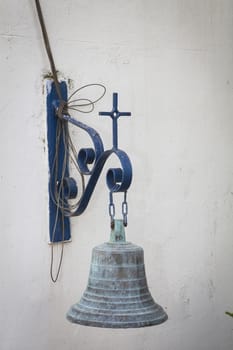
(117, 295)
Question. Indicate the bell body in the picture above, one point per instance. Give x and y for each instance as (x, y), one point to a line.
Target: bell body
(117, 295)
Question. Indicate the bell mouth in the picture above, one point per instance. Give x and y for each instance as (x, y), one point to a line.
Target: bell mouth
(120, 320)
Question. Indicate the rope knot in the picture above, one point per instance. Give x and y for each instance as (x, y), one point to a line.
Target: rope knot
(62, 109)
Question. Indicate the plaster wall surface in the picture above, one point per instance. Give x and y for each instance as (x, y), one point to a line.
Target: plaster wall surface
(172, 63)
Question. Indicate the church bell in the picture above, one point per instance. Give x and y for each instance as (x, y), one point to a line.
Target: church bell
(117, 295)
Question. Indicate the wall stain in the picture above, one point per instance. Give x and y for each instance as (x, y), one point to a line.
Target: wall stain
(211, 289)
(183, 293)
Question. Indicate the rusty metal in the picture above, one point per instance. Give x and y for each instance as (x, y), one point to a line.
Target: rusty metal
(117, 295)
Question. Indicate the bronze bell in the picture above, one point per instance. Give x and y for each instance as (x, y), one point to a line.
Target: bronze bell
(117, 295)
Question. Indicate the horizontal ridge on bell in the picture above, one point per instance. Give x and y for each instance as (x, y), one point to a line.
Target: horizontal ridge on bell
(117, 295)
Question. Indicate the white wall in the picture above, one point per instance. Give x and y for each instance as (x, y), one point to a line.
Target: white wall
(172, 64)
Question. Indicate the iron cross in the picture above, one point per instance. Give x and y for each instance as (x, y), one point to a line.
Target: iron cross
(115, 114)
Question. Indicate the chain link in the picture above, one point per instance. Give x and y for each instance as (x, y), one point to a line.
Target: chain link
(111, 209)
(125, 210)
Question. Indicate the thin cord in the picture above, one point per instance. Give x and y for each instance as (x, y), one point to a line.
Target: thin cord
(58, 90)
(60, 127)
(70, 153)
(54, 279)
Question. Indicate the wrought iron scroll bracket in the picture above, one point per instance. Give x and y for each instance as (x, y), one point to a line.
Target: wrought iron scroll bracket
(90, 161)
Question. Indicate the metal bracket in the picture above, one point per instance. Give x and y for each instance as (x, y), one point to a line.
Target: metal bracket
(56, 218)
(90, 160)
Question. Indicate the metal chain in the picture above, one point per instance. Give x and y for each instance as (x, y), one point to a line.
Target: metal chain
(124, 208)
